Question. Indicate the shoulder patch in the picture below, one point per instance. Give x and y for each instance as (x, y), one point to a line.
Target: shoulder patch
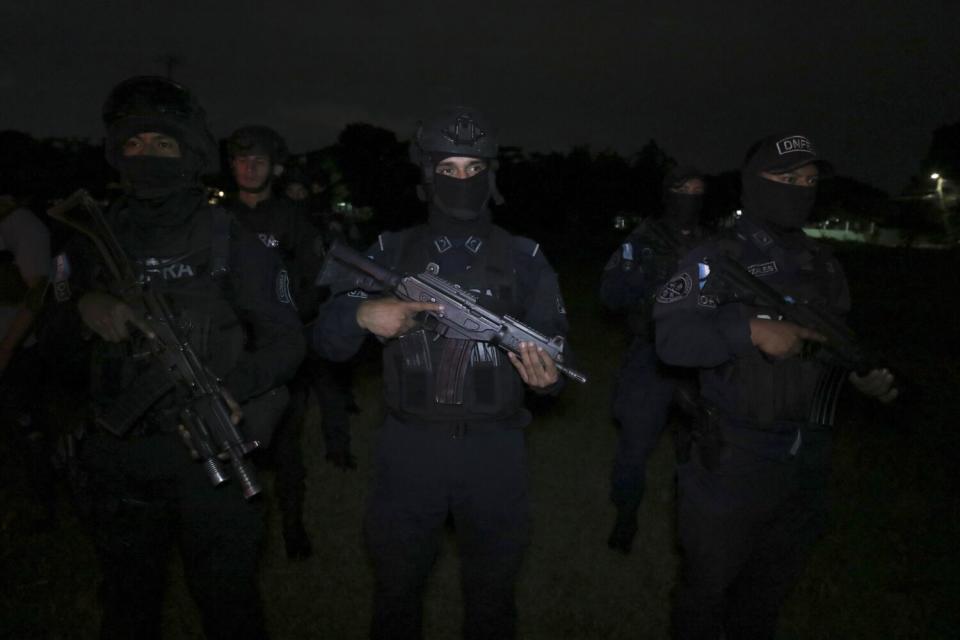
(676, 289)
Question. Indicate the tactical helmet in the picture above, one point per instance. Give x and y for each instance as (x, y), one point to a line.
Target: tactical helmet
(152, 103)
(454, 131)
(257, 140)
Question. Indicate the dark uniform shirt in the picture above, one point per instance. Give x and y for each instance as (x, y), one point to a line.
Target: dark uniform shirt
(750, 390)
(286, 228)
(635, 271)
(534, 299)
(237, 322)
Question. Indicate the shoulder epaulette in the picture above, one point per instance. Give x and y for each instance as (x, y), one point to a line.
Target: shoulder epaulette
(526, 246)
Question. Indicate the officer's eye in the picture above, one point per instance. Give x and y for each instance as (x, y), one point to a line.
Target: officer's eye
(476, 168)
(132, 145)
(446, 170)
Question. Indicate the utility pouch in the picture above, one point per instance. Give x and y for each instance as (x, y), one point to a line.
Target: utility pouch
(452, 371)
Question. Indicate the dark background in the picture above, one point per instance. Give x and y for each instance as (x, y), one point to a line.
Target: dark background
(869, 80)
(581, 93)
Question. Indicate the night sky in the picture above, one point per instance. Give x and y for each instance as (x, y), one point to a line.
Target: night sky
(868, 80)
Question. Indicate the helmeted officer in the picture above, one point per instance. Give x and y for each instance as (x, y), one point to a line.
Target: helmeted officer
(752, 496)
(646, 386)
(453, 440)
(144, 493)
(257, 155)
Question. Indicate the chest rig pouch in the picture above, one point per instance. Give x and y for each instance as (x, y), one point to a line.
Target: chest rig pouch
(436, 378)
(195, 280)
(769, 391)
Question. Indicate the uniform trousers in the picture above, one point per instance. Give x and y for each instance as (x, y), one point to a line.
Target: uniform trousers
(748, 518)
(142, 497)
(641, 405)
(423, 475)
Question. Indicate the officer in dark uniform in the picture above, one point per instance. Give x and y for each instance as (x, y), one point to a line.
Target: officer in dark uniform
(453, 441)
(257, 155)
(646, 386)
(332, 381)
(24, 273)
(143, 491)
(752, 496)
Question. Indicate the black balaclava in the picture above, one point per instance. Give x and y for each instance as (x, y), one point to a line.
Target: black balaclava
(786, 206)
(458, 207)
(463, 199)
(162, 193)
(153, 177)
(681, 209)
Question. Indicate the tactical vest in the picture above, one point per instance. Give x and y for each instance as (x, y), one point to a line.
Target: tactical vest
(658, 262)
(195, 282)
(430, 378)
(768, 391)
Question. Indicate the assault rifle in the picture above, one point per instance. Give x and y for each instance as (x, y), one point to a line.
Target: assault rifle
(462, 318)
(728, 281)
(205, 413)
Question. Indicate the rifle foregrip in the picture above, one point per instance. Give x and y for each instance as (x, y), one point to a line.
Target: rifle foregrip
(359, 262)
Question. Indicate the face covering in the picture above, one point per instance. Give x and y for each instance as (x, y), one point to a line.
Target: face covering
(462, 199)
(684, 208)
(787, 206)
(152, 177)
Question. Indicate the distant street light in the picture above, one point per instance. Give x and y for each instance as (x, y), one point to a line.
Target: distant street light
(940, 180)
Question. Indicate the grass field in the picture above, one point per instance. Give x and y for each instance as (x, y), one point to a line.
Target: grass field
(888, 567)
